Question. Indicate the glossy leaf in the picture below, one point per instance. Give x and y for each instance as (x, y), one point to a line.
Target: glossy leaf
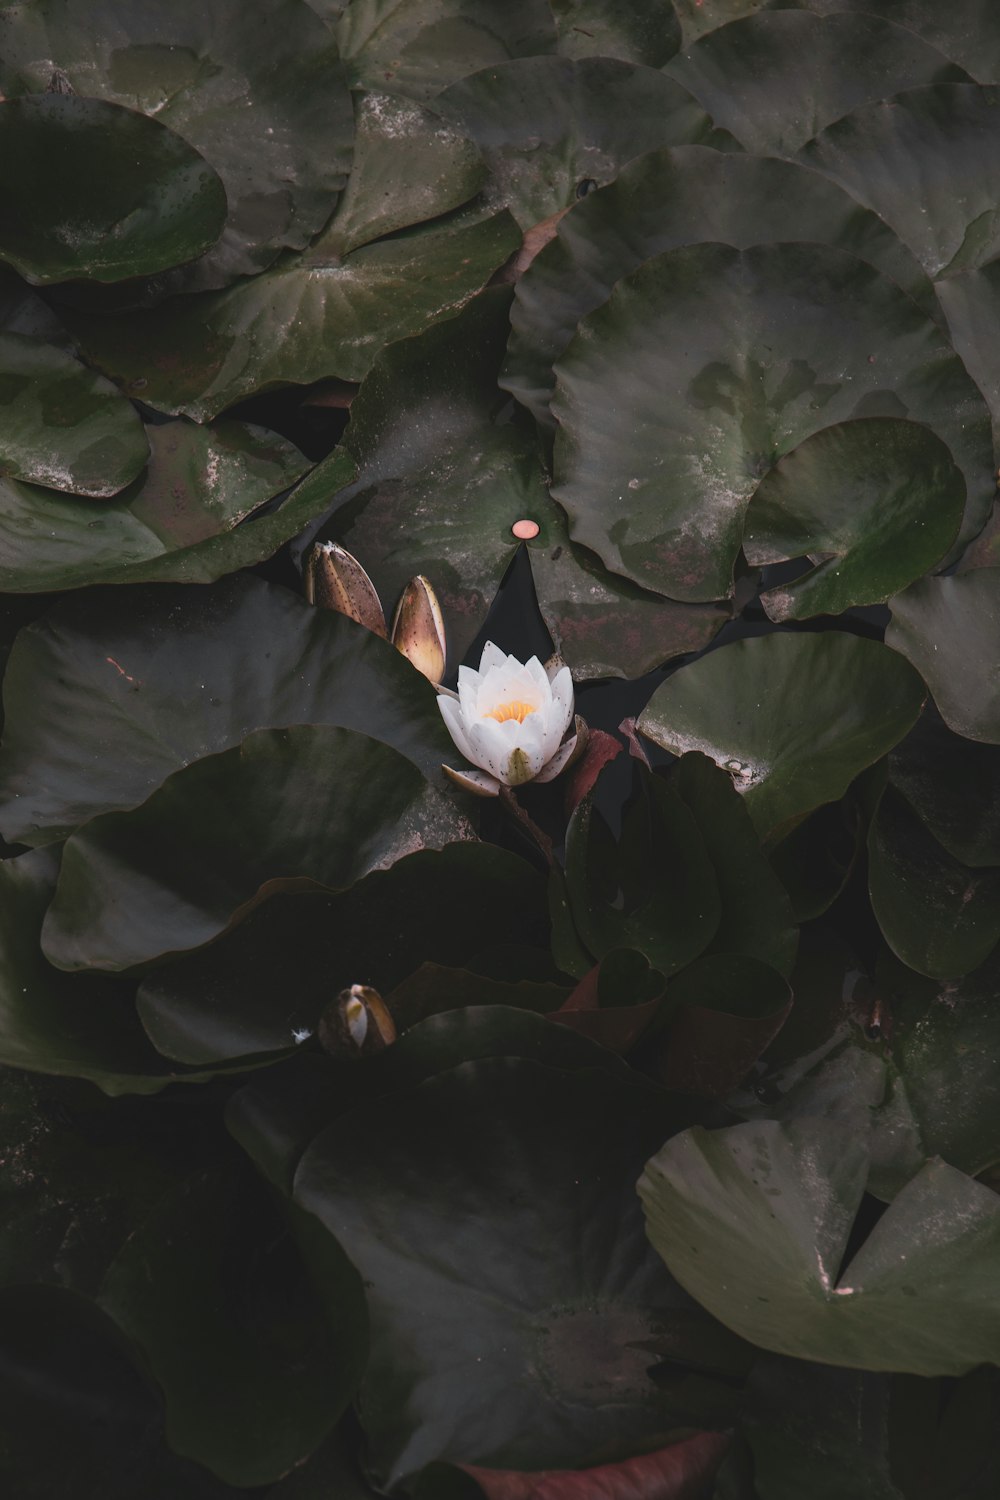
(121, 668)
(793, 718)
(546, 125)
(966, 33)
(769, 345)
(178, 521)
(155, 203)
(310, 317)
(258, 91)
(641, 31)
(971, 303)
(949, 628)
(64, 426)
(750, 77)
(953, 784)
(483, 1351)
(700, 16)
(445, 475)
(670, 197)
(409, 166)
(754, 1221)
(940, 917)
(288, 808)
(874, 503)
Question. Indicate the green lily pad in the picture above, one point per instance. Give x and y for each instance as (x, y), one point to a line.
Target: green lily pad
(77, 1025)
(444, 476)
(176, 523)
(310, 317)
(874, 503)
(482, 1350)
(697, 17)
(409, 166)
(815, 861)
(940, 917)
(418, 47)
(211, 1288)
(966, 33)
(152, 203)
(547, 124)
(233, 998)
(793, 718)
(162, 677)
(953, 784)
(768, 346)
(749, 74)
(286, 809)
(754, 1221)
(939, 144)
(63, 425)
(949, 628)
(639, 31)
(670, 197)
(260, 93)
(971, 303)
(23, 311)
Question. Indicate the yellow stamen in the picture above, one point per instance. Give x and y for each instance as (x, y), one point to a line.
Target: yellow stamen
(513, 710)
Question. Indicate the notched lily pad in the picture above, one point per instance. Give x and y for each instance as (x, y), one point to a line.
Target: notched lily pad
(153, 203)
(949, 628)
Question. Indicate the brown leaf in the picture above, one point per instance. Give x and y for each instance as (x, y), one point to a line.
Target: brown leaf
(535, 239)
(601, 750)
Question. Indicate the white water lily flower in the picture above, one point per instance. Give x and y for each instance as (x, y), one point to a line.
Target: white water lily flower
(511, 719)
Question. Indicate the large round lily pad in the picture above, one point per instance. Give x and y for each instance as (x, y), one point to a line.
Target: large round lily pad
(966, 32)
(793, 718)
(875, 504)
(642, 31)
(156, 678)
(721, 362)
(949, 628)
(675, 196)
(89, 189)
(257, 90)
(177, 522)
(286, 809)
(62, 425)
(482, 1349)
(953, 784)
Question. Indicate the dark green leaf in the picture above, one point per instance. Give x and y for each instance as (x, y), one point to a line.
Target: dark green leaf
(671, 197)
(700, 16)
(547, 124)
(311, 316)
(483, 1350)
(953, 784)
(793, 718)
(767, 346)
(152, 202)
(814, 862)
(949, 628)
(288, 808)
(63, 425)
(754, 1221)
(750, 75)
(258, 90)
(169, 675)
(177, 522)
(640, 31)
(965, 32)
(875, 504)
(972, 307)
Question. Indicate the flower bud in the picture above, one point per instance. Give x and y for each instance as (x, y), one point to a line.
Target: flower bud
(418, 629)
(336, 580)
(356, 1024)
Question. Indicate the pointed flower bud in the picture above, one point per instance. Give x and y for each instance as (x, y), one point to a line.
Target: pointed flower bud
(336, 580)
(357, 1023)
(418, 629)
(511, 719)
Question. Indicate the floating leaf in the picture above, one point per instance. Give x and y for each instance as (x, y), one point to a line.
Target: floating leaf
(259, 92)
(966, 33)
(482, 1350)
(670, 197)
(700, 16)
(311, 317)
(875, 504)
(754, 1221)
(949, 628)
(63, 425)
(971, 303)
(640, 31)
(793, 718)
(167, 676)
(288, 808)
(176, 522)
(767, 346)
(546, 125)
(953, 784)
(152, 204)
(750, 78)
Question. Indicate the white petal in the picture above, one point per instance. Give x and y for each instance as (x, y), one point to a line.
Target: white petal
(451, 713)
(493, 744)
(480, 783)
(554, 664)
(562, 695)
(561, 758)
(492, 657)
(539, 677)
(468, 692)
(439, 687)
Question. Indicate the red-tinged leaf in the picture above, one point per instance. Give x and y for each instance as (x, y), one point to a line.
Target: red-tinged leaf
(636, 749)
(601, 751)
(616, 1027)
(681, 1472)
